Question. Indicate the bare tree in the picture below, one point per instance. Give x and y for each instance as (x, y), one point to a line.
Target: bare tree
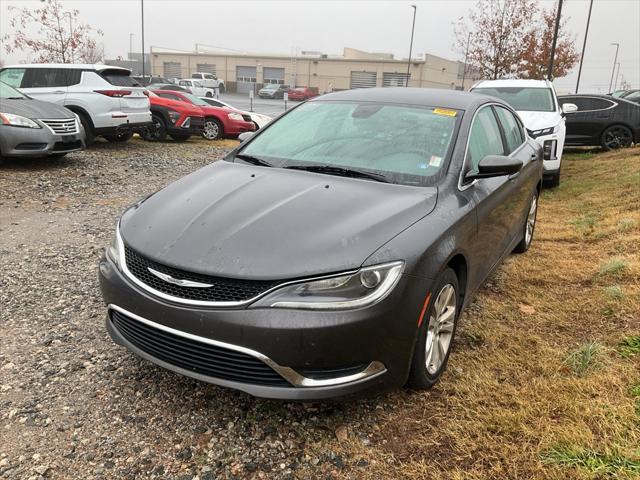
(497, 29)
(59, 37)
(535, 59)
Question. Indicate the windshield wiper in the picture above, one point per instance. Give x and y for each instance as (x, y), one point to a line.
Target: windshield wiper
(340, 171)
(253, 160)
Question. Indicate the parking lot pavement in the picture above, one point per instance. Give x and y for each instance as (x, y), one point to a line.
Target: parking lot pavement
(265, 106)
(75, 405)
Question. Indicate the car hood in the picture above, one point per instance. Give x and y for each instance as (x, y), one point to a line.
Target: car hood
(243, 221)
(35, 109)
(538, 120)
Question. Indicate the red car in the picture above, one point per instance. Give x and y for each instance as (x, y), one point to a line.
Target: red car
(171, 117)
(301, 93)
(218, 122)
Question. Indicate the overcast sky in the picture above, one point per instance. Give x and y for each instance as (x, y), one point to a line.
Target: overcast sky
(329, 25)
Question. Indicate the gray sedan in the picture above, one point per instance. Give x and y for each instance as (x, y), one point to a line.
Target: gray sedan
(32, 128)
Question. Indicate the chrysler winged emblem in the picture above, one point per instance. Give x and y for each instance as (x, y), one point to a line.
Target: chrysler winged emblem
(178, 281)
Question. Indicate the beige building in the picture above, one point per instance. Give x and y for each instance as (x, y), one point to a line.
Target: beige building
(354, 69)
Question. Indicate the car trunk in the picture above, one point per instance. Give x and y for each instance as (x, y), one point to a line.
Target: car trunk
(136, 101)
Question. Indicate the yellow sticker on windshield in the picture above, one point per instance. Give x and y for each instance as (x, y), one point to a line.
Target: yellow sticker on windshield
(445, 111)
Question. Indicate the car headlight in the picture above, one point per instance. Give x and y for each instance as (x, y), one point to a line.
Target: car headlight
(17, 121)
(353, 290)
(173, 116)
(116, 248)
(235, 116)
(541, 131)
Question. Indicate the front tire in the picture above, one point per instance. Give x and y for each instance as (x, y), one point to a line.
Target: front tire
(89, 136)
(221, 88)
(208, 95)
(616, 136)
(213, 129)
(529, 225)
(436, 332)
(553, 181)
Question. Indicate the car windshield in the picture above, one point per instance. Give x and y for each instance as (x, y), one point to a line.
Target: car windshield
(526, 99)
(405, 144)
(9, 92)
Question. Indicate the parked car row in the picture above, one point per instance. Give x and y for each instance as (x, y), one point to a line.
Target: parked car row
(54, 109)
(276, 90)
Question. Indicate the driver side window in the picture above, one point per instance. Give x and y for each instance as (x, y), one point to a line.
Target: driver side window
(484, 139)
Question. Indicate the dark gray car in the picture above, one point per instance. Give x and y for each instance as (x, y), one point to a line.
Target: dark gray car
(32, 128)
(333, 251)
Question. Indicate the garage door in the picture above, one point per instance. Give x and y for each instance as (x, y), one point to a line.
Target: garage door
(394, 79)
(363, 79)
(172, 70)
(273, 75)
(207, 68)
(246, 78)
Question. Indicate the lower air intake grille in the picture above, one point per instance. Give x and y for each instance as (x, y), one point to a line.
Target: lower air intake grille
(195, 356)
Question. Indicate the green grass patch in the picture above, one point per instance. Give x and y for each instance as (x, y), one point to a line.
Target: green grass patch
(612, 266)
(625, 225)
(614, 292)
(629, 346)
(585, 223)
(595, 462)
(584, 359)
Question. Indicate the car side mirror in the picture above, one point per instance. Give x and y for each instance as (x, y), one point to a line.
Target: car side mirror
(244, 136)
(569, 108)
(495, 166)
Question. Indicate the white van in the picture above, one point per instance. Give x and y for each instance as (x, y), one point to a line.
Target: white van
(536, 103)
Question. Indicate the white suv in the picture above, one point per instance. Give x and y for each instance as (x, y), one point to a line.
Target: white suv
(537, 105)
(106, 99)
(209, 80)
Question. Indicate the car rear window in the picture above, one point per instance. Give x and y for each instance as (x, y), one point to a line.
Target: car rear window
(119, 78)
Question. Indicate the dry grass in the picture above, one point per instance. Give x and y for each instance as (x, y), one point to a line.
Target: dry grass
(549, 395)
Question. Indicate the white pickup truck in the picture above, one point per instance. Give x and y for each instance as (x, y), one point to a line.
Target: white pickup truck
(209, 80)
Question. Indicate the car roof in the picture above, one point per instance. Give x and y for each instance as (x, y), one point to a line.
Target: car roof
(74, 66)
(513, 83)
(431, 97)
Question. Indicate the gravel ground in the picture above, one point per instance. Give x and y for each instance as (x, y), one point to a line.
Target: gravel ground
(72, 403)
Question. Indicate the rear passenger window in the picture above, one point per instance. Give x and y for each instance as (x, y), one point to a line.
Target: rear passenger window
(485, 138)
(46, 78)
(511, 127)
(12, 76)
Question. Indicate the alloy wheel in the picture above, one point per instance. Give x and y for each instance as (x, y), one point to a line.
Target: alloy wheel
(440, 328)
(531, 220)
(617, 137)
(211, 130)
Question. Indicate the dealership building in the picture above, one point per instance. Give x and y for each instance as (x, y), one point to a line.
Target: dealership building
(243, 72)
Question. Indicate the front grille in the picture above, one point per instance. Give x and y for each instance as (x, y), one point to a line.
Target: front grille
(66, 126)
(195, 356)
(222, 289)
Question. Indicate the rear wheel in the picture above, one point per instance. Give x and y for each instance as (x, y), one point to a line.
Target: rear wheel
(119, 137)
(180, 137)
(436, 332)
(529, 225)
(158, 131)
(616, 136)
(89, 136)
(213, 129)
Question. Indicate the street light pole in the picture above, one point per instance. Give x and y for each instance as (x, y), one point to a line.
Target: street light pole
(131, 46)
(615, 84)
(466, 55)
(411, 44)
(584, 45)
(615, 60)
(142, 10)
(555, 39)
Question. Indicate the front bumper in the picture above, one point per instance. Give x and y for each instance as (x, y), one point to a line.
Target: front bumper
(309, 343)
(236, 127)
(37, 142)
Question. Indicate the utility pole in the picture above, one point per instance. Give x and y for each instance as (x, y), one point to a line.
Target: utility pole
(615, 60)
(142, 9)
(411, 44)
(584, 45)
(131, 46)
(466, 55)
(555, 39)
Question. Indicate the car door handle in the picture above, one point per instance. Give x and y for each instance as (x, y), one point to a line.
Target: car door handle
(59, 92)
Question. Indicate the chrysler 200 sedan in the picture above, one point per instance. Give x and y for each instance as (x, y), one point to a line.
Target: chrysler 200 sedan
(333, 251)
